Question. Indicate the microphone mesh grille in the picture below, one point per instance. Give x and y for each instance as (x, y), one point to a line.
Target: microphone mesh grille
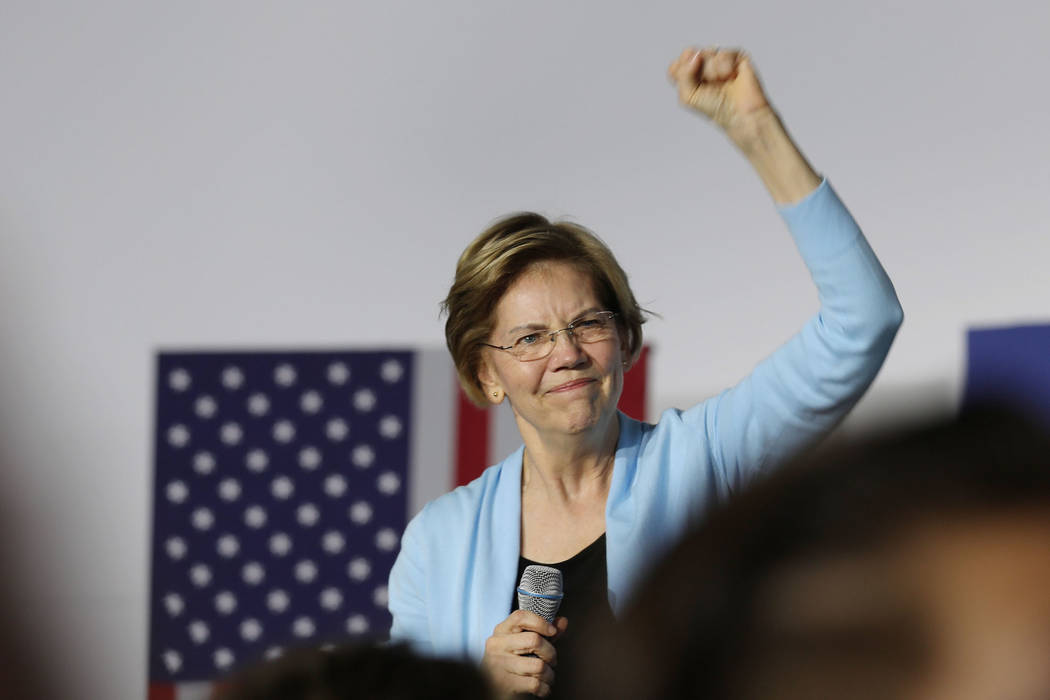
(539, 581)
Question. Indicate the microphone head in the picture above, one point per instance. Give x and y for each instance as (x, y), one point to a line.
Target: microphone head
(540, 591)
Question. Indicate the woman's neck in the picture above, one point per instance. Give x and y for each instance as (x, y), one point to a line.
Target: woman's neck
(571, 467)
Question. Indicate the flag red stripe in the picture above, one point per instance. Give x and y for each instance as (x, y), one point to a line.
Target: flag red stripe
(632, 400)
(472, 439)
(161, 691)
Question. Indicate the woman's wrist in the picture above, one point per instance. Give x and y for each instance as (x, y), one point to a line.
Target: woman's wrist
(764, 141)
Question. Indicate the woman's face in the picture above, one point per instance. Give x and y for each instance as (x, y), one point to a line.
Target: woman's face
(576, 387)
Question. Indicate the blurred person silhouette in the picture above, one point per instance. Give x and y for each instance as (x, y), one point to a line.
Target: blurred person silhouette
(355, 672)
(25, 648)
(910, 566)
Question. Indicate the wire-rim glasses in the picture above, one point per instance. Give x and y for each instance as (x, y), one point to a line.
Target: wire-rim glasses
(589, 328)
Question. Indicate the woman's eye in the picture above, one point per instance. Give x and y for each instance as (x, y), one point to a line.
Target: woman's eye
(587, 323)
(530, 339)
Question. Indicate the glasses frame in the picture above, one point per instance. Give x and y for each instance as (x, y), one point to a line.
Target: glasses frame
(553, 337)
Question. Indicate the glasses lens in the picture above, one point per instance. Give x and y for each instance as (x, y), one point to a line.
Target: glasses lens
(592, 328)
(532, 346)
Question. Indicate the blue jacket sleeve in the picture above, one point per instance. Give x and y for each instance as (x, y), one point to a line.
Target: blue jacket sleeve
(805, 387)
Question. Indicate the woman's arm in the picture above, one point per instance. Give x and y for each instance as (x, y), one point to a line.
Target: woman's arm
(722, 86)
(802, 390)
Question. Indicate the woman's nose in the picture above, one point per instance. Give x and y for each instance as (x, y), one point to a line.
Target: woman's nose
(569, 352)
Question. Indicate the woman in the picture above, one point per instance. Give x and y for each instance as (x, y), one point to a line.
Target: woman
(541, 316)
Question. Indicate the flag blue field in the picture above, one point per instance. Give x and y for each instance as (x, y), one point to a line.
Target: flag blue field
(279, 503)
(1011, 366)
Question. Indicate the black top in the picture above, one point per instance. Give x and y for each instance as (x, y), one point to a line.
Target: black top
(586, 601)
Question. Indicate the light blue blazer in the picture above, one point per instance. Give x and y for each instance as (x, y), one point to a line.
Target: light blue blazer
(454, 577)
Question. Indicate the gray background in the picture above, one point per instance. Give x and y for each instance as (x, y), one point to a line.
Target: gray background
(305, 174)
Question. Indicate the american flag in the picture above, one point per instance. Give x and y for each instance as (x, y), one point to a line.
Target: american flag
(1010, 365)
(283, 481)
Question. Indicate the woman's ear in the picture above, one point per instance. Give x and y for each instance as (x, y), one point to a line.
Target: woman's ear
(626, 358)
(489, 382)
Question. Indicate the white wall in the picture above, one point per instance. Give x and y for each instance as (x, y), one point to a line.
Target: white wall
(305, 174)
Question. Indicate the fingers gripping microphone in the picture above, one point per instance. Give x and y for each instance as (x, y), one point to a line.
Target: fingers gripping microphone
(540, 591)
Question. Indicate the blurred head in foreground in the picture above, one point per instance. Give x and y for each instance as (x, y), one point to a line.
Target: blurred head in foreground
(915, 566)
(368, 672)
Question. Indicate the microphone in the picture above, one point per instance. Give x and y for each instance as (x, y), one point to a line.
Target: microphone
(540, 591)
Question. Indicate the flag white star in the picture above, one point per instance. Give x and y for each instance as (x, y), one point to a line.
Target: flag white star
(391, 371)
(277, 601)
(331, 599)
(178, 435)
(303, 627)
(229, 490)
(309, 457)
(359, 569)
(177, 491)
(338, 373)
(284, 431)
(231, 433)
(179, 379)
(172, 660)
(200, 575)
(258, 404)
(173, 604)
(307, 514)
(205, 407)
(305, 571)
(232, 378)
(357, 624)
(380, 596)
(257, 460)
(227, 546)
(333, 542)
(386, 539)
(202, 519)
(311, 402)
(176, 547)
(282, 488)
(363, 456)
(364, 400)
(390, 427)
(198, 631)
(203, 463)
(251, 629)
(360, 512)
(253, 573)
(225, 602)
(223, 658)
(335, 485)
(336, 429)
(255, 516)
(284, 375)
(388, 483)
(280, 544)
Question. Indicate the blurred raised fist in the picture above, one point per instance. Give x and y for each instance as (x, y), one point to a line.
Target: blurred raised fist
(718, 83)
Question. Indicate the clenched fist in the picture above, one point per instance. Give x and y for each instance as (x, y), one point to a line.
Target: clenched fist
(718, 83)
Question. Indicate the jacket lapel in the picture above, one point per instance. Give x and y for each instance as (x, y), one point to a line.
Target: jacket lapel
(621, 513)
(498, 549)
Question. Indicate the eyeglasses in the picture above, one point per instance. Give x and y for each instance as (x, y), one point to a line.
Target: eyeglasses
(591, 328)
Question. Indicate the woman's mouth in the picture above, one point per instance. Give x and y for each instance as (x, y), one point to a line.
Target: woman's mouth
(570, 386)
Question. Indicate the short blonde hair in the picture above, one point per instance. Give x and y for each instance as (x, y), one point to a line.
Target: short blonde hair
(495, 259)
